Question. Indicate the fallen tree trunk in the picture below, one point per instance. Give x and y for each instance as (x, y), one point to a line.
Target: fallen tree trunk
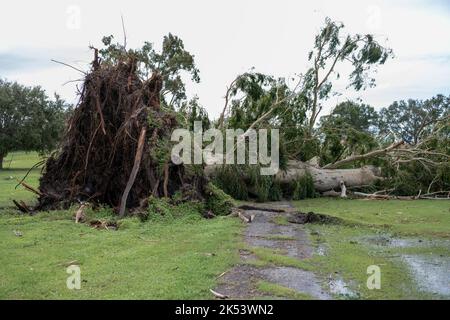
(329, 179)
(324, 179)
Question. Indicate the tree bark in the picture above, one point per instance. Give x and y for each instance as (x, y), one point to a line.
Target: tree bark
(324, 179)
(2, 156)
(328, 179)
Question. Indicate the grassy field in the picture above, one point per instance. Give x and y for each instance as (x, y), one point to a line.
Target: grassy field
(16, 166)
(168, 259)
(164, 258)
(365, 237)
(180, 257)
(411, 218)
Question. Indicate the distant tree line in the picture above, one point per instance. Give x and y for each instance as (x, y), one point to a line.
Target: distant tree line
(29, 119)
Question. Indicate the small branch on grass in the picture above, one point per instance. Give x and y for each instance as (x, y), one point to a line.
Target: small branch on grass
(80, 215)
(22, 207)
(218, 295)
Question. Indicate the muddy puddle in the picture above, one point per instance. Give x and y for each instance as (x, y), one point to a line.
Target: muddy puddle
(296, 279)
(392, 242)
(287, 239)
(340, 288)
(431, 273)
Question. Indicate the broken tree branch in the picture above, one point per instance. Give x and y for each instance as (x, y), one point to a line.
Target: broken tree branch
(68, 65)
(134, 171)
(368, 155)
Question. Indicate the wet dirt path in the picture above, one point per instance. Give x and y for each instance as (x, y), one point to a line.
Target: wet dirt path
(269, 230)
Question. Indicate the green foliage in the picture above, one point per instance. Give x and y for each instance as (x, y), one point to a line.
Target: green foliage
(29, 120)
(261, 185)
(408, 119)
(229, 179)
(331, 47)
(159, 207)
(171, 63)
(191, 111)
(276, 193)
(349, 129)
(167, 210)
(217, 201)
(303, 187)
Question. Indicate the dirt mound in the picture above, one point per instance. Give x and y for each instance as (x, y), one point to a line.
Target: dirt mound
(312, 217)
(116, 150)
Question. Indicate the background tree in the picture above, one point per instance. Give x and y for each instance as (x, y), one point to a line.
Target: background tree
(29, 120)
(332, 48)
(170, 63)
(296, 109)
(349, 129)
(413, 119)
(191, 111)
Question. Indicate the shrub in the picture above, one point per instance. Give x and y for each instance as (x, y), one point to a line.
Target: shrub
(261, 185)
(303, 187)
(229, 179)
(217, 200)
(276, 194)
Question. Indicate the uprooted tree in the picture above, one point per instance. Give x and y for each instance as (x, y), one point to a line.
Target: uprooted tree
(352, 143)
(111, 152)
(116, 149)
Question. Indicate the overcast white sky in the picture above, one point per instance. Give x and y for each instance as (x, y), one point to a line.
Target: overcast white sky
(228, 38)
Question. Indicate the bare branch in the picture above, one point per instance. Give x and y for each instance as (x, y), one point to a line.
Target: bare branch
(68, 65)
(368, 155)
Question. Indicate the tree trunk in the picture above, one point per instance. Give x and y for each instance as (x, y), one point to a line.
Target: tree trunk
(2, 156)
(328, 179)
(324, 179)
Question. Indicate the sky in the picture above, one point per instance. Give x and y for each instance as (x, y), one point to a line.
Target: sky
(228, 38)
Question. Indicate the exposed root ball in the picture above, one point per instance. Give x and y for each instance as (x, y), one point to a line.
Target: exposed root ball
(100, 147)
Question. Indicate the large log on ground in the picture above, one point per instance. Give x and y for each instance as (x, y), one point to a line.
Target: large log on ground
(328, 179)
(324, 179)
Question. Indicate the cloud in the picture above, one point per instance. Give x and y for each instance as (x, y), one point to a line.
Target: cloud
(229, 38)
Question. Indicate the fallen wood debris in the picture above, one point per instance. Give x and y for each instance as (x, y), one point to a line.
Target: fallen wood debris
(80, 215)
(430, 196)
(218, 295)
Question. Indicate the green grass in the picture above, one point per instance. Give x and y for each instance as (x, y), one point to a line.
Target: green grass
(179, 257)
(16, 165)
(279, 237)
(348, 259)
(276, 290)
(174, 259)
(171, 257)
(278, 258)
(280, 220)
(412, 218)
(348, 256)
